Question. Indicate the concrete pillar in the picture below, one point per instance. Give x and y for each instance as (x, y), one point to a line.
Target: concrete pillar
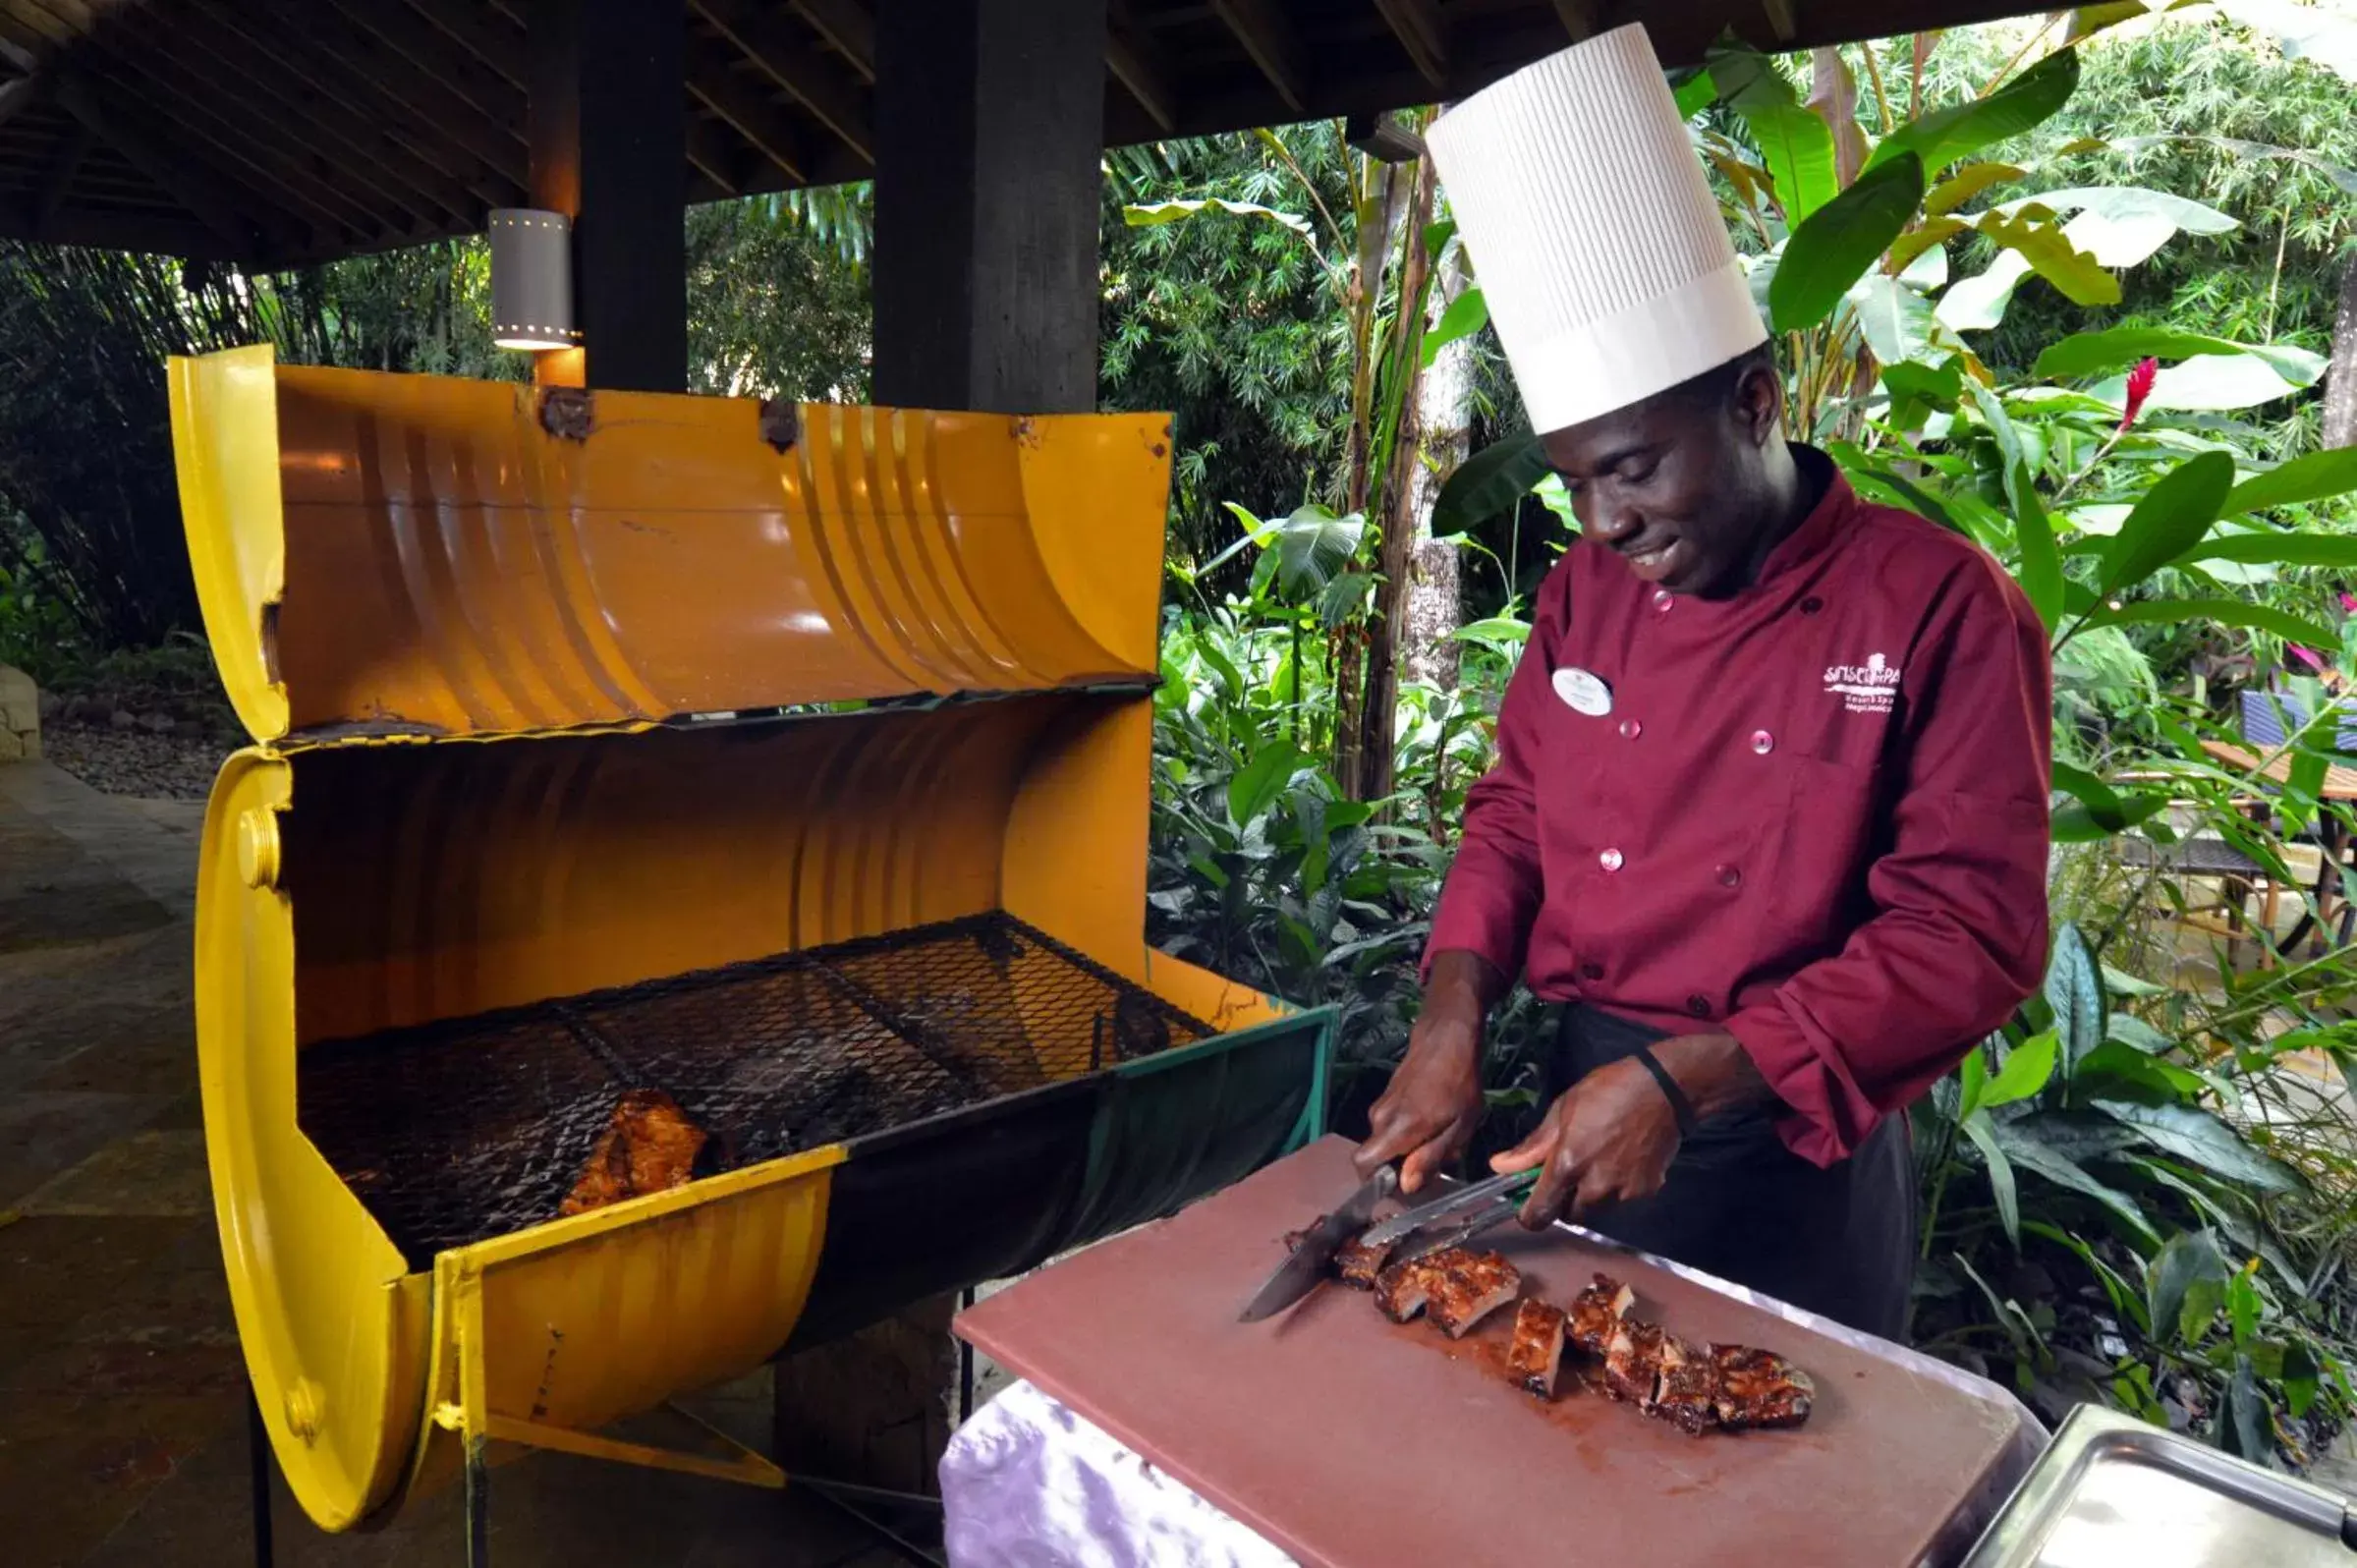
(19, 716)
(990, 126)
(608, 130)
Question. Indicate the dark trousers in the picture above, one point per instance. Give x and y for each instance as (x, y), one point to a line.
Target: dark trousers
(1837, 1241)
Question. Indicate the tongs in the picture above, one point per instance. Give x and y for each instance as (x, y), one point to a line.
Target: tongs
(1452, 1218)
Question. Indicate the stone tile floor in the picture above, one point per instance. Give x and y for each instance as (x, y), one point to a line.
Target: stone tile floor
(122, 1391)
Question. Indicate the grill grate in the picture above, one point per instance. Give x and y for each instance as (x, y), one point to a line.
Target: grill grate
(454, 1132)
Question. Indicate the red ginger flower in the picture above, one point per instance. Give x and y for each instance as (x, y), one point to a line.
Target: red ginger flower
(2140, 387)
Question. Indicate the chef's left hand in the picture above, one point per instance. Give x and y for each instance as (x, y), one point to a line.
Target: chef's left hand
(1609, 1138)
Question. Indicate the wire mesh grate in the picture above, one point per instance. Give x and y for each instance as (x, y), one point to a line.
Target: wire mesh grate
(454, 1132)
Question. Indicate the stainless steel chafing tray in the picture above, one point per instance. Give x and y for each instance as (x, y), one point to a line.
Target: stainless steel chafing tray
(2111, 1490)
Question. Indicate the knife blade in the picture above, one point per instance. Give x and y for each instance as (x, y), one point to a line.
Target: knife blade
(1298, 1274)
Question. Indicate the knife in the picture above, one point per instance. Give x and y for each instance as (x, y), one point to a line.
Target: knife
(1298, 1274)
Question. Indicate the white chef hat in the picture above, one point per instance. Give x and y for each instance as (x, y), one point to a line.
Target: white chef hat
(1599, 248)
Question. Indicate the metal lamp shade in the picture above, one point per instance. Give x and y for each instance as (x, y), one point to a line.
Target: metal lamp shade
(532, 279)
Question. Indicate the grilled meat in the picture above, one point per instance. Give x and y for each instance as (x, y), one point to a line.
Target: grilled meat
(1538, 1349)
(649, 1146)
(1360, 1264)
(1402, 1290)
(1469, 1287)
(1758, 1388)
(1687, 1393)
(1596, 1311)
(1633, 1360)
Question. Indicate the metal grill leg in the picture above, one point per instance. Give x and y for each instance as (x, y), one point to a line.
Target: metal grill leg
(259, 1462)
(478, 1507)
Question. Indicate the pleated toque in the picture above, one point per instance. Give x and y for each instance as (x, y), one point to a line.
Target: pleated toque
(1593, 232)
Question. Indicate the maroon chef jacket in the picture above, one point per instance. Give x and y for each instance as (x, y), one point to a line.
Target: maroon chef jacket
(1813, 817)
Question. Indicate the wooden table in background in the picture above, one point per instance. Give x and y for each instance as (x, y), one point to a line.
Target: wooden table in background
(2331, 831)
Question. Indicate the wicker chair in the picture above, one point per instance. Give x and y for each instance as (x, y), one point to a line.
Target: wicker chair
(2237, 876)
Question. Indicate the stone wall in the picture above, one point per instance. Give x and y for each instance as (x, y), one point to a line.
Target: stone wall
(19, 716)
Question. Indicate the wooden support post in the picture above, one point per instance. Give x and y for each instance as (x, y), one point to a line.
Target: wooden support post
(608, 135)
(990, 129)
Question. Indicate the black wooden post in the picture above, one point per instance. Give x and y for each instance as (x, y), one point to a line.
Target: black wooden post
(608, 129)
(990, 126)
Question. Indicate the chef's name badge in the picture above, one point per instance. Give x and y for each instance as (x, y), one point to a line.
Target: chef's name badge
(1586, 693)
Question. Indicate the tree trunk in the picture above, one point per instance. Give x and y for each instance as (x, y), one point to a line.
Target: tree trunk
(2340, 379)
(1381, 194)
(1444, 414)
(1379, 714)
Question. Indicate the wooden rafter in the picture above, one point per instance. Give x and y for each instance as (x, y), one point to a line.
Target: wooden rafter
(416, 41)
(1268, 38)
(317, 60)
(264, 61)
(1141, 79)
(846, 25)
(193, 188)
(487, 33)
(416, 91)
(1421, 32)
(127, 72)
(749, 113)
(22, 94)
(711, 155)
(60, 177)
(803, 75)
(252, 130)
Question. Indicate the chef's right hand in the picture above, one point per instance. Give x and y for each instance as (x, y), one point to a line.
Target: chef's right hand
(1428, 1112)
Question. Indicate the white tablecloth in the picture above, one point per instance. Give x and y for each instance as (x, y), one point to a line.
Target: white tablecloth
(1028, 1484)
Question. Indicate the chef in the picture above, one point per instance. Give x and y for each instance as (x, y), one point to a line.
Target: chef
(1769, 811)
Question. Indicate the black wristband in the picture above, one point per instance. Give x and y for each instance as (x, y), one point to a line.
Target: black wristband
(1679, 1105)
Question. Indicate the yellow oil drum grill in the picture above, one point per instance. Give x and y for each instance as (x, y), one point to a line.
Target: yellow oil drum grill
(793, 761)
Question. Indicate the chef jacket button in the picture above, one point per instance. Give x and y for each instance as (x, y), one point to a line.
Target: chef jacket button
(1663, 598)
(1630, 729)
(1591, 972)
(1812, 604)
(1610, 860)
(1763, 742)
(1730, 876)
(1699, 1005)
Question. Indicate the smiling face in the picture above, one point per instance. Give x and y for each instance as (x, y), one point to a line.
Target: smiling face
(1691, 487)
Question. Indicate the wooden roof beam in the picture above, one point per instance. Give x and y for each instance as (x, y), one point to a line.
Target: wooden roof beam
(752, 116)
(60, 178)
(184, 183)
(416, 94)
(1421, 32)
(804, 75)
(304, 52)
(249, 130)
(1268, 38)
(709, 153)
(442, 95)
(22, 94)
(1138, 75)
(114, 60)
(846, 25)
(260, 57)
(485, 33)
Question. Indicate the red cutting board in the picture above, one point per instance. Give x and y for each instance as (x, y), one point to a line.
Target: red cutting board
(1355, 1442)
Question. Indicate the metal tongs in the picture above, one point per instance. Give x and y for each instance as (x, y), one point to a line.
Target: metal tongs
(1452, 1218)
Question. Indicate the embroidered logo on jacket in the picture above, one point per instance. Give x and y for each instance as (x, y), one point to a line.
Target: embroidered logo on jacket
(1868, 688)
